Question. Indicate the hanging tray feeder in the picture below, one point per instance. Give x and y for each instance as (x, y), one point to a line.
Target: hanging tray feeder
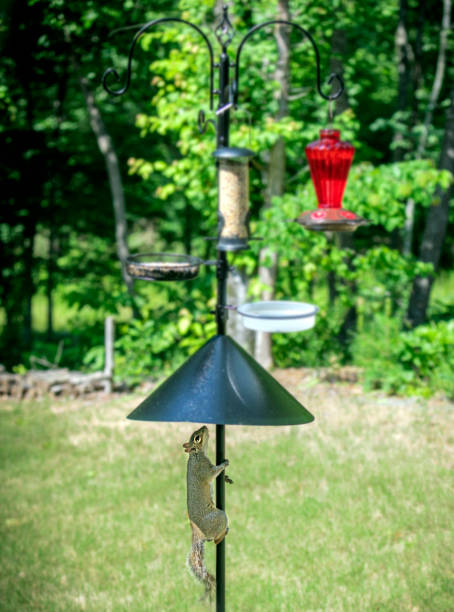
(278, 316)
(163, 266)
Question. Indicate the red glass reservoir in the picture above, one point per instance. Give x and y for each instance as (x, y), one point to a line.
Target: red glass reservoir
(329, 160)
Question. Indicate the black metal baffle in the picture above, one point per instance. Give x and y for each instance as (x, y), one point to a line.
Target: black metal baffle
(222, 384)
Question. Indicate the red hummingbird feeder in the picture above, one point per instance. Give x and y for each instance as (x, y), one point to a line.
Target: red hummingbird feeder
(330, 160)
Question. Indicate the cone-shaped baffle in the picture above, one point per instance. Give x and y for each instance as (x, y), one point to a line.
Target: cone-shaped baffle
(222, 384)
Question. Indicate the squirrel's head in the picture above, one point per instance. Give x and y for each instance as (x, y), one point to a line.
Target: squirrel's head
(198, 441)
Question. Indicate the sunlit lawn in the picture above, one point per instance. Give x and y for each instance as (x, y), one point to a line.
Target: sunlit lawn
(352, 512)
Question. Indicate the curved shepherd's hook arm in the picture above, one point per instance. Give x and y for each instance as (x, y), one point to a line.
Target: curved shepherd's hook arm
(143, 29)
(305, 33)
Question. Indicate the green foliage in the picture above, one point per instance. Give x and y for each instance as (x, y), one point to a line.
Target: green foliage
(154, 346)
(91, 271)
(64, 349)
(146, 349)
(384, 274)
(369, 279)
(151, 349)
(419, 362)
(379, 193)
(57, 226)
(318, 347)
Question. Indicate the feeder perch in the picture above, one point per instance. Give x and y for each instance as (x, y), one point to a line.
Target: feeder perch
(329, 161)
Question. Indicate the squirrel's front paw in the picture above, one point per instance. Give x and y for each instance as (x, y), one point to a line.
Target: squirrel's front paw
(227, 479)
(225, 463)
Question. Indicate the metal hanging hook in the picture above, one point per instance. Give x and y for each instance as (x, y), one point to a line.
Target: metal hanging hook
(143, 29)
(306, 34)
(203, 122)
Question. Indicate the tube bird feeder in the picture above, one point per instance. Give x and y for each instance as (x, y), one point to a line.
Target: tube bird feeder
(233, 190)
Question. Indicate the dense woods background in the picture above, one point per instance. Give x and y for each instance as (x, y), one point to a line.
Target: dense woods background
(86, 179)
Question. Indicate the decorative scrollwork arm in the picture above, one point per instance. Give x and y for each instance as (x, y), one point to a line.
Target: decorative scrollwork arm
(332, 77)
(224, 30)
(203, 122)
(143, 29)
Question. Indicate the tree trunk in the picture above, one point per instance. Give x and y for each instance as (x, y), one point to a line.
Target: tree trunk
(418, 73)
(54, 192)
(267, 273)
(332, 288)
(434, 95)
(342, 240)
(404, 54)
(439, 75)
(107, 149)
(275, 176)
(407, 240)
(237, 286)
(435, 228)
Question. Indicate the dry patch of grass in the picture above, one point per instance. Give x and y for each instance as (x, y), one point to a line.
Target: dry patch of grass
(351, 512)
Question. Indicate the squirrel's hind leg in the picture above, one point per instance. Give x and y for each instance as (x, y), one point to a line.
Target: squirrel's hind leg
(220, 537)
(214, 524)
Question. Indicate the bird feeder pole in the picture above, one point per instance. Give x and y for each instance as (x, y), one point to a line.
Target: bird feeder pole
(234, 388)
(222, 132)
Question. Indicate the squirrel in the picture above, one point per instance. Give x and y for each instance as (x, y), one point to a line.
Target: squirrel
(207, 522)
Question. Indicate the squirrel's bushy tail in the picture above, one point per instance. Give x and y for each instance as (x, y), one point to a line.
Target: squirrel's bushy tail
(196, 561)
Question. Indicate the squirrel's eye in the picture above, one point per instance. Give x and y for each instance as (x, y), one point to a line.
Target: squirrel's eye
(197, 439)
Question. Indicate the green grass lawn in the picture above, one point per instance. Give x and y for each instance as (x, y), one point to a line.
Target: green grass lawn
(353, 512)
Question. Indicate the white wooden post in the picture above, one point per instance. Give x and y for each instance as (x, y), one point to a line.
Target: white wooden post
(109, 337)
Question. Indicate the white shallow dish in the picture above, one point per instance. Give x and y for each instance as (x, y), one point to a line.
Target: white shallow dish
(278, 316)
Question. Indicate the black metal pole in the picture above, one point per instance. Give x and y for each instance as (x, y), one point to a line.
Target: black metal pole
(220, 502)
(222, 273)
